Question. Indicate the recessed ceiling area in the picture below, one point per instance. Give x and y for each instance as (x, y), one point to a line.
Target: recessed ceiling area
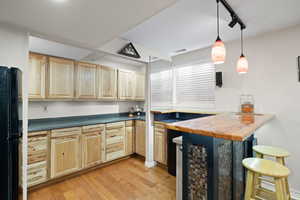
(85, 23)
(191, 24)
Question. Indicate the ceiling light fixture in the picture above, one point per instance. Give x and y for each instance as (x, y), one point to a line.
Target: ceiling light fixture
(242, 64)
(218, 52)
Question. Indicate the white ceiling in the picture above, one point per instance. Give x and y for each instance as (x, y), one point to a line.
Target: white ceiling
(47, 47)
(191, 24)
(85, 23)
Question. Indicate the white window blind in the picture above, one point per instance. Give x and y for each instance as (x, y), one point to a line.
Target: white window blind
(194, 86)
(162, 88)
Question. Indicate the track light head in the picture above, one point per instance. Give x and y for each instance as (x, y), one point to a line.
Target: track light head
(233, 22)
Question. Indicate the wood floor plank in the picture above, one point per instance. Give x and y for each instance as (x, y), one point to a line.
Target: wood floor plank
(126, 180)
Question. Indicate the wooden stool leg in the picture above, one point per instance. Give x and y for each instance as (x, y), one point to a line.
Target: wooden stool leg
(259, 155)
(279, 189)
(286, 183)
(249, 185)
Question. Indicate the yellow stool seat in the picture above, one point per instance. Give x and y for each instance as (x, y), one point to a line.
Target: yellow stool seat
(257, 167)
(271, 151)
(266, 167)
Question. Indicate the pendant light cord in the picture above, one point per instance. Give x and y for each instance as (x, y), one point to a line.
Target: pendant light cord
(218, 19)
(242, 42)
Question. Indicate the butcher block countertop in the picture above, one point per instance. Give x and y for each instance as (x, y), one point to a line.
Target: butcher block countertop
(229, 126)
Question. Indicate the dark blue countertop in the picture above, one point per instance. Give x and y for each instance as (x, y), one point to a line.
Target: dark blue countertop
(68, 122)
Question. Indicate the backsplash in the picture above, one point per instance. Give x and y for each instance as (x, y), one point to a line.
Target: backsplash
(51, 109)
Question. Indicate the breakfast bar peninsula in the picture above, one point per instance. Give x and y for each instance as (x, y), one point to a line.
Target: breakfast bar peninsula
(213, 150)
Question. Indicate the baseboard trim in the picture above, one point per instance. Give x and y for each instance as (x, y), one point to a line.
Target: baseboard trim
(294, 193)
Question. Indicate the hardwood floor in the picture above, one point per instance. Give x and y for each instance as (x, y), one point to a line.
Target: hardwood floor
(126, 180)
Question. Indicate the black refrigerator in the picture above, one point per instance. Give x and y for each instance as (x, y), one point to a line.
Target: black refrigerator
(10, 132)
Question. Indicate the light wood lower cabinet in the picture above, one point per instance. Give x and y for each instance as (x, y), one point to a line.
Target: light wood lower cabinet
(91, 145)
(114, 140)
(59, 152)
(160, 143)
(37, 158)
(140, 137)
(65, 151)
(129, 138)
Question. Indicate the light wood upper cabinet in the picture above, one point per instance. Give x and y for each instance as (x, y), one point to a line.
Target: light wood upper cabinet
(107, 83)
(126, 85)
(140, 87)
(60, 78)
(92, 145)
(37, 75)
(65, 151)
(85, 81)
(140, 137)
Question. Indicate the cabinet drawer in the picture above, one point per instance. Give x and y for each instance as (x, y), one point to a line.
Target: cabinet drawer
(159, 125)
(115, 147)
(39, 133)
(37, 173)
(116, 125)
(37, 148)
(93, 128)
(114, 133)
(129, 123)
(66, 132)
(113, 140)
(114, 155)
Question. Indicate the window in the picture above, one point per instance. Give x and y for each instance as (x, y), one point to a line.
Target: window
(162, 88)
(195, 86)
(190, 86)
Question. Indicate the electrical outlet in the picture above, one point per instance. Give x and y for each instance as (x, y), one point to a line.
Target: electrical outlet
(45, 108)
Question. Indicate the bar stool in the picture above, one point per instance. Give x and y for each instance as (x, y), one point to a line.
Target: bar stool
(280, 154)
(258, 166)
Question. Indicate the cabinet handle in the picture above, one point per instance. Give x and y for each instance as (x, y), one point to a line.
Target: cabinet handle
(63, 153)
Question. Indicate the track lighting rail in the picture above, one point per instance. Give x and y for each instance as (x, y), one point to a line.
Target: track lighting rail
(235, 18)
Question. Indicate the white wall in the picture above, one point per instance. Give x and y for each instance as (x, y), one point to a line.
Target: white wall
(273, 81)
(52, 109)
(49, 109)
(14, 53)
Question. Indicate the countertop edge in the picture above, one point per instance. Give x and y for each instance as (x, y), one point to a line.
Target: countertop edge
(171, 126)
(31, 128)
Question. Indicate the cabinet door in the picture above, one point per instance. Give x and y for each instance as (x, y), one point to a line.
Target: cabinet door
(37, 76)
(126, 85)
(140, 138)
(129, 140)
(107, 83)
(60, 78)
(65, 155)
(91, 143)
(85, 81)
(140, 87)
(160, 147)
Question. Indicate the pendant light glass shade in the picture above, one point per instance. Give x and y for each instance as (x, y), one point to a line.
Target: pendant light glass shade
(218, 52)
(242, 65)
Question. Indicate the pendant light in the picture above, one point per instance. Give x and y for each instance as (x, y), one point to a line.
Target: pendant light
(218, 52)
(242, 64)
